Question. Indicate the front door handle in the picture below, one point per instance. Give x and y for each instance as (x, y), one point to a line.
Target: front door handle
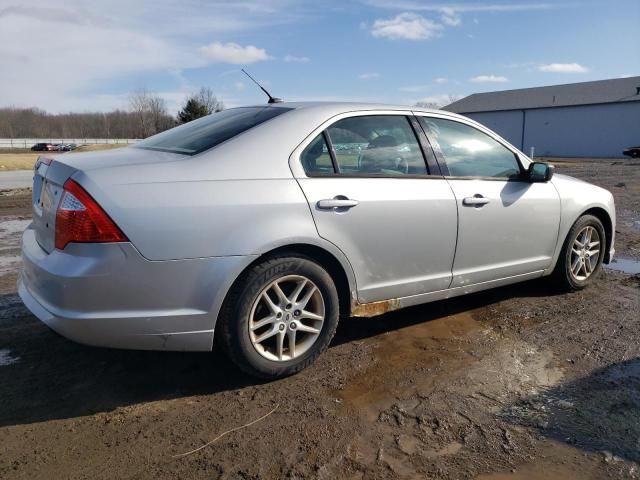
(340, 202)
(476, 201)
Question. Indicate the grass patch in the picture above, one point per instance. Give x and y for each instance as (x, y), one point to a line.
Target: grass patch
(99, 146)
(18, 161)
(26, 160)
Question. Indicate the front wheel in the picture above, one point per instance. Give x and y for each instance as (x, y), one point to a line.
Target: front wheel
(279, 317)
(582, 254)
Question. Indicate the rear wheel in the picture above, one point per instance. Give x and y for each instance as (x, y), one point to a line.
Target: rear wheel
(582, 253)
(279, 317)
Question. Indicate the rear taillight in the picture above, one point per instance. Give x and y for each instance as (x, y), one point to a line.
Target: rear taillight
(79, 218)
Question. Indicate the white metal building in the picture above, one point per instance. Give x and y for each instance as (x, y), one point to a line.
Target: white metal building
(588, 119)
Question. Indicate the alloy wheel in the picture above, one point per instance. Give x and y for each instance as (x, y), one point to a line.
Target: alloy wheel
(286, 318)
(585, 253)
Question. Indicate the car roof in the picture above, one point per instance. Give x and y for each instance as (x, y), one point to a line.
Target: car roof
(335, 108)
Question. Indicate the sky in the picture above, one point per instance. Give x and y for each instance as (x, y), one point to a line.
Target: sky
(89, 55)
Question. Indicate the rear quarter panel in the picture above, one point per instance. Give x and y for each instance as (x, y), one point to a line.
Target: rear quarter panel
(188, 218)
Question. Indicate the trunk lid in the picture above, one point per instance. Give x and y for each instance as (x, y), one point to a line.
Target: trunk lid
(117, 157)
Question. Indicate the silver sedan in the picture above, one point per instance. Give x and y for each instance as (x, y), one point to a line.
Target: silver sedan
(256, 228)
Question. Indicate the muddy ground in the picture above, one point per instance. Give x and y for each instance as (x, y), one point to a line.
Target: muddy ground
(516, 383)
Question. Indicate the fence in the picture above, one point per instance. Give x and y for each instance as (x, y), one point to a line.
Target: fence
(30, 142)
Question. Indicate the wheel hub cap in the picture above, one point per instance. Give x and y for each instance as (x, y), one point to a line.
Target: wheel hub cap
(286, 318)
(585, 253)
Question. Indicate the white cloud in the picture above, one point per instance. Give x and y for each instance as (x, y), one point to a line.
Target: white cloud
(451, 13)
(489, 79)
(239, 85)
(407, 26)
(368, 76)
(462, 8)
(93, 54)
(441, 80)
(218, 52)
(563, 68)
(296, 59)
(450, 17)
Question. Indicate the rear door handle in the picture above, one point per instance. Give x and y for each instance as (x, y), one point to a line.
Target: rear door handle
(476, 201)
(338, 202)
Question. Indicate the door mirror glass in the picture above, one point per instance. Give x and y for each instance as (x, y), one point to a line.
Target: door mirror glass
(540, 172)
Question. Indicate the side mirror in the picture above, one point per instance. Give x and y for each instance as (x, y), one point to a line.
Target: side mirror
(540, 172)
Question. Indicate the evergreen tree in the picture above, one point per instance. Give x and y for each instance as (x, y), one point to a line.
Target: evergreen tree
(192, 110)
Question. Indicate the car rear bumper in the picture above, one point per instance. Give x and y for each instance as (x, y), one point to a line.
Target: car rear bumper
(108, 295)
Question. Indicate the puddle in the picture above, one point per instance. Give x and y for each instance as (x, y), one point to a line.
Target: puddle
(10, 233)
(534, 472)
(558, 461)
(625, 265)
(12, 229)
(423, 346)
(598, 413)
(432, 392)
(7, 359)
(424, 358)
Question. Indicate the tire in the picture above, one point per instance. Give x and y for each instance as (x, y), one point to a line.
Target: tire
(564, 272)
(246, 308)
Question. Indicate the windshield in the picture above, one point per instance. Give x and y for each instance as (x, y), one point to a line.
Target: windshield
(207, 132)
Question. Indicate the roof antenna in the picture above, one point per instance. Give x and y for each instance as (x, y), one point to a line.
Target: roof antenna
(271, 99)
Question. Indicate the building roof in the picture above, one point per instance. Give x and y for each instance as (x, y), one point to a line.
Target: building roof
(584, 93)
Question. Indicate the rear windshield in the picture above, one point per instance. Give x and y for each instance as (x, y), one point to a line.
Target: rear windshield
(207, 132)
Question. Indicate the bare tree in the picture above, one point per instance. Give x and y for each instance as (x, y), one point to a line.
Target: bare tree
(454, 98)
(150, 111)
(440, 103)
(206, 98)
(427, 105)
(160, 119)
(139, 106)
(31, 122)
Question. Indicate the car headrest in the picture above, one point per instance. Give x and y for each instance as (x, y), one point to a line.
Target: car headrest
(382, 141)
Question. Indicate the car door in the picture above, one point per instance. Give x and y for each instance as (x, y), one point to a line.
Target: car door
(371, 194)
(508, 225)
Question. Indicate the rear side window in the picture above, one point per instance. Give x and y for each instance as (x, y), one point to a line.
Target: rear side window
(207, 132)
(375, 145)
(316, 158)
(468, 152)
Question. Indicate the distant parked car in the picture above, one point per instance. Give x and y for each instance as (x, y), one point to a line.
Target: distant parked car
(633, 152)
(67, 147)
(42, 147)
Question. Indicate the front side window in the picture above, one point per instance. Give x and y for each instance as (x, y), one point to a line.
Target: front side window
(207, 132)
(376, 145)
(468, 152)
